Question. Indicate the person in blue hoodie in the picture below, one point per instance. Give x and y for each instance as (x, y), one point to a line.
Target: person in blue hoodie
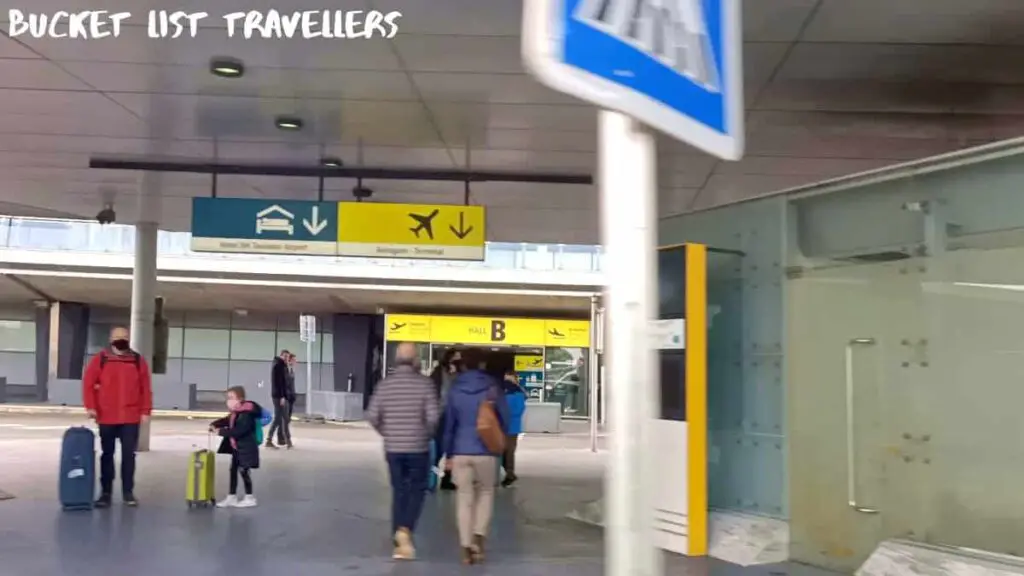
(474, 467)
(516, 398)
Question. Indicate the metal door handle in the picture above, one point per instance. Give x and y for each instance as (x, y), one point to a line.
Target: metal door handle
(851, 460)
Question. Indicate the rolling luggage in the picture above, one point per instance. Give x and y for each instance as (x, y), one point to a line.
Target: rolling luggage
(434, 476)
(199, 491)
(77, 484)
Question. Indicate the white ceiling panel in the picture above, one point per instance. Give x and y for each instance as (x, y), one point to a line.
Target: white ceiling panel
(487, 88)
(11, 49)
(905, 63)
(458, 17)
(832, 86)
(265, 82)
(918, 22)
(470, 54)
(37, 74)
(775, 21)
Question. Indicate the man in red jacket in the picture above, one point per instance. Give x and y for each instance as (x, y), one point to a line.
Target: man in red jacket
(118, 395)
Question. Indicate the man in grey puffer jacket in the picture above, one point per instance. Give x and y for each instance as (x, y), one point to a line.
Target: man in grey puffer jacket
(404, 410)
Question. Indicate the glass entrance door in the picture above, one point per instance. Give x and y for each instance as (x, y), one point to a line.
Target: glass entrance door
(849, 371)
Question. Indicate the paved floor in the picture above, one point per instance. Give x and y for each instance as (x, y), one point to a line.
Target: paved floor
(323, 510)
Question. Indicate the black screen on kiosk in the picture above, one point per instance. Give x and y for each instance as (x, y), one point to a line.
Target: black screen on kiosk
(671, 305)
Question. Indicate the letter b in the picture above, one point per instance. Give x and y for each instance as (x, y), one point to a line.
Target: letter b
(18, 25)
(497, 330)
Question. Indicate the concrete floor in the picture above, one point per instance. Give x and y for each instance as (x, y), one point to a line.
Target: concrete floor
(323, 510)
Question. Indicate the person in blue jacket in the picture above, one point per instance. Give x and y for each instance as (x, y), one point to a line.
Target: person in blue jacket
(473, 466)
(516, 398)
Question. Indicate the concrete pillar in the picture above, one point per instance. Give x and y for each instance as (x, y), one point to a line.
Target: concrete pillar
(62, 333)
(144, 301)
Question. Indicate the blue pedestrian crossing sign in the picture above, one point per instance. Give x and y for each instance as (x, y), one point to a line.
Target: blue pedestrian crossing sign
(676, 65)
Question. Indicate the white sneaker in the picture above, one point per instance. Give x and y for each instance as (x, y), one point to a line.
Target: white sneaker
(248, 501)
(230, 502)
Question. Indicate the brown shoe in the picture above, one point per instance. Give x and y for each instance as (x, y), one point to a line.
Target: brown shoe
(467, 556)
(478, 549)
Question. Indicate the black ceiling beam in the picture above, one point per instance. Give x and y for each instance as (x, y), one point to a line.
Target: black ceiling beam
(366, 172)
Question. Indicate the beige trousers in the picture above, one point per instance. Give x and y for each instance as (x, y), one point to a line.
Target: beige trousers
(474, 501)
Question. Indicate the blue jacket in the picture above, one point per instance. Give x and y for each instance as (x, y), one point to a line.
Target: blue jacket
(516, 399)
(467, 392)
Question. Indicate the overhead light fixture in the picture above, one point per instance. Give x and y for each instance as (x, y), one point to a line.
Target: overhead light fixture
(227, 67)
(331, 162)
(288, 123)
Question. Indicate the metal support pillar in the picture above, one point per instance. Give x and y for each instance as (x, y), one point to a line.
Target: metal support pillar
(144, 302)
(628, 189)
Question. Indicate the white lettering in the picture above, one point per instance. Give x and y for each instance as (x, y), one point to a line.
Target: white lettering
(61, 24)
(311, 24)
(164, 24)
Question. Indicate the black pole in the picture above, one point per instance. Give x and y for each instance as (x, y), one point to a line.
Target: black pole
(213, 185)
(364, 172)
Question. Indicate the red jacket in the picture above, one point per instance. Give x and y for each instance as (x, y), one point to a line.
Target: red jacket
(118, 388)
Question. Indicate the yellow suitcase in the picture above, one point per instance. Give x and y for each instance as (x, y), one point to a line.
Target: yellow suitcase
(201, 473)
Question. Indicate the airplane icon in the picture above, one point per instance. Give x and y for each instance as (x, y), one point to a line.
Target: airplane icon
(426, 223)
(554, 332)
(396, 326)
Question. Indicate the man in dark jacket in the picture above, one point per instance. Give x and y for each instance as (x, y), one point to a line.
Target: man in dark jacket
(279, 393)
(118, 395)
(474, 467)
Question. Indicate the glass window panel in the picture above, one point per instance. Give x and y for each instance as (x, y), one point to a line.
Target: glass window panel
(565, 379)
(290, 341)
(98, 337)
(207, 343)
(17, 336)
(252, 345)
(327, 348)
(175, 341)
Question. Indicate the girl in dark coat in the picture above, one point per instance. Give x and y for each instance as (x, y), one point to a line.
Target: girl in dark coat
(239, 431)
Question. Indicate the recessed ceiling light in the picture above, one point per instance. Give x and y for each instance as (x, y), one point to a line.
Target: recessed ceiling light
(331, 162)
(288, 123)
(227, 67)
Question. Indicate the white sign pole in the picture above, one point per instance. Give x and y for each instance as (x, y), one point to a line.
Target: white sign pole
(628, 189)
(307, 333)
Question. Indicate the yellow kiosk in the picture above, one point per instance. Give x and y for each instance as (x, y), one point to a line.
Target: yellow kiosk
(681, 430)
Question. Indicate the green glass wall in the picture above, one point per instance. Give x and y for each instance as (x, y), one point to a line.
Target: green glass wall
(905, 307)
(746, 395)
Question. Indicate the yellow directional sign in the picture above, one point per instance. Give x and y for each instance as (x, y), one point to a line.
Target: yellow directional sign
(426, 231)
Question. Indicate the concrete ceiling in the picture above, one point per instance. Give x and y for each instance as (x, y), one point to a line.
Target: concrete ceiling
(24, 289)
(833, 87)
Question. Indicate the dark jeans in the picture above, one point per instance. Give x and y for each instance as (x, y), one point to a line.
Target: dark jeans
(508, 459)
(408, 487)
(282, 423)
(237, 471)
(128, 435)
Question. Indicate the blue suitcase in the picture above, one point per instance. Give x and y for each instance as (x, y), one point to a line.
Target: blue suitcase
(77, 483)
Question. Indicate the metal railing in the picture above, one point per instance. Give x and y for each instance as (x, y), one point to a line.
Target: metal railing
(90, 237)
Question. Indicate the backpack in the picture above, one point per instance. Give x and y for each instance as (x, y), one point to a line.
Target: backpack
(488, 427)
(135, 360)
(265, 418)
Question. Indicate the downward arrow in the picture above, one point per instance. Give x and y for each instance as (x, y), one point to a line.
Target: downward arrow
(316, 225)
(462, 231)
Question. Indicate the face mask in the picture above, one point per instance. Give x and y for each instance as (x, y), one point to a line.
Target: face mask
(120, 345)
(232, 403)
